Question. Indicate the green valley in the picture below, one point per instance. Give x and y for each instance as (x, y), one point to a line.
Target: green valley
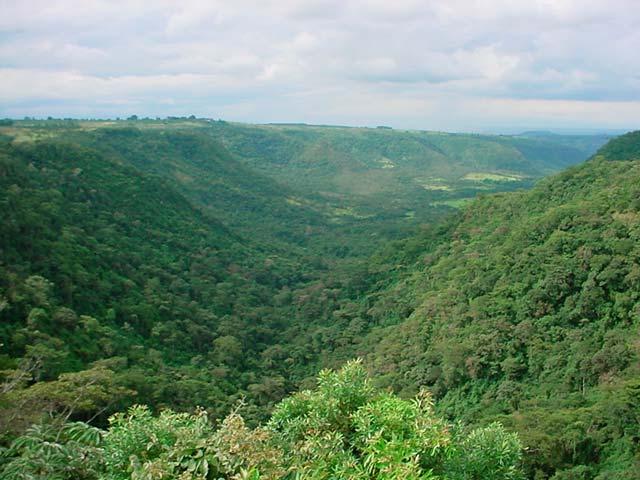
(167, 286)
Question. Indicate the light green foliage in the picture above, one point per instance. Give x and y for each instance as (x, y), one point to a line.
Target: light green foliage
(71, 451)
(400, 439)
(345, 428)
(244, 453)
(37, 289)
(488, 453)
(326, 409)
(72, 395)
(139, 446)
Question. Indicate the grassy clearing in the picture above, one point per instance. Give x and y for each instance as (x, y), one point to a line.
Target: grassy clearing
(436, 184)
(454, 202)
(21, 135)
(492, 177)
(386, 163)
(293, 201)
(340, 212)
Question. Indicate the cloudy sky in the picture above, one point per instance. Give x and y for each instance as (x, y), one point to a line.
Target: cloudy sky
(460, 65)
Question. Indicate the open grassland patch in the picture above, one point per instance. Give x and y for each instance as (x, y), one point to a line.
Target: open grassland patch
(434, 184)
(21, 135)
(453, 202)
(492, 177)
(386, 163)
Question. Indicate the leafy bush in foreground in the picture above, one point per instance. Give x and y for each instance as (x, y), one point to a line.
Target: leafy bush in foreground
(343, 429)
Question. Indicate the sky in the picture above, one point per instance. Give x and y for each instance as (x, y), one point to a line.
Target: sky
(452, 65)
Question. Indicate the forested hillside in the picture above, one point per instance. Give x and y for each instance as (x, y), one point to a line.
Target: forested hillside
(249, 203)
(184, 264)
(525, 309)
(387, 181)
(100, 261)
(333, 191)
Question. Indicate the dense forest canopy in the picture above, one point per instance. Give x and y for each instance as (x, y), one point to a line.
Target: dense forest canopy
(208, 267)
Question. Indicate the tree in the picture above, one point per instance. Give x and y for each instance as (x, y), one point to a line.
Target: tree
(345, 428)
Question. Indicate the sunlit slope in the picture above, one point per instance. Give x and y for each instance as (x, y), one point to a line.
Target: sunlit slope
(102, 261)
(205, 172)
(335, 190)
(527, 309)
(331, 159)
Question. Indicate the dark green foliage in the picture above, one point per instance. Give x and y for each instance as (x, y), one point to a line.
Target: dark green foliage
(100, 260)
(149, 264)
(626, 147)
(527, 309)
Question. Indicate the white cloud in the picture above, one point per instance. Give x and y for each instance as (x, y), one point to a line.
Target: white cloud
(358, 60)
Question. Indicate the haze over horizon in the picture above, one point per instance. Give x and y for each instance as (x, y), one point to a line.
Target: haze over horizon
(497, 65)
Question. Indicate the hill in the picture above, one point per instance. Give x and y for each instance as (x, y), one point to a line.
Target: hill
(249, 203)
(364, 162)
(328, 154)
(588, 144)
(334, 191)
(103, 261)
(158, 262)
(525, 308)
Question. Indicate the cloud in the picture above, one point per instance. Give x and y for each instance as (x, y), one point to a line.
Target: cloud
(416, 63)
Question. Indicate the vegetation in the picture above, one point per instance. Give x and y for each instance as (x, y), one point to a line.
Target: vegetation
(387, 180)
(525, 310)
(344, 428)
(102, 262)
(189, 265)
